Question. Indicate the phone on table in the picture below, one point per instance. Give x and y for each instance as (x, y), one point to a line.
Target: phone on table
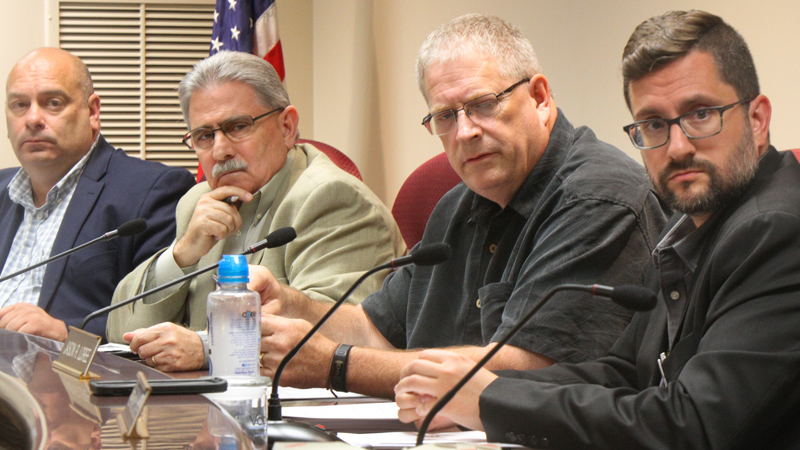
(107, 388)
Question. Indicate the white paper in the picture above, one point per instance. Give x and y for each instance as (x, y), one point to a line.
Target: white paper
(356, 411)
(112, 347)
(288, 393)
(408, 439)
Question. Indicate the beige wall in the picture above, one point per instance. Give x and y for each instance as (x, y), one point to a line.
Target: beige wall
(579, 44)
(22, 28)
(350, 66)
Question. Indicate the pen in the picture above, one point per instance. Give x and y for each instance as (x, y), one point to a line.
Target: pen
(660, 362)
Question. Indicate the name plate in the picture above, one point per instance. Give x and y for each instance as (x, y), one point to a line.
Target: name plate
(131, 425)
(78, 353)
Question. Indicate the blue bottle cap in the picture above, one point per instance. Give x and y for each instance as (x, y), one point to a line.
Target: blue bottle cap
(233, 269)
(228, 442)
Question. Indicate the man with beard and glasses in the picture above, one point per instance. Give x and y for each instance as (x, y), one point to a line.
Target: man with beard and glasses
(244, 132)
(716, 364)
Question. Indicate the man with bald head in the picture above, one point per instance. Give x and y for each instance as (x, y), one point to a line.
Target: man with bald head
(72, 187)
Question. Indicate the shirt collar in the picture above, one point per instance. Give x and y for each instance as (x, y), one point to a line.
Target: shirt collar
(686, 240)
(266, 195)
(534, 186)
(21, 192)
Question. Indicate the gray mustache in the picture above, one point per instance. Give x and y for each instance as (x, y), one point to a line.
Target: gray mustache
(231, 165)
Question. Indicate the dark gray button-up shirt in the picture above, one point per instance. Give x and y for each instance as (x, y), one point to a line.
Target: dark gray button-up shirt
(585, 214)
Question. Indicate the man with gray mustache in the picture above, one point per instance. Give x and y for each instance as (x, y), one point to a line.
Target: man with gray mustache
(244, 131)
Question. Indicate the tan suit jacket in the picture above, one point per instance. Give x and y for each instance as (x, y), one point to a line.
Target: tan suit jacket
(343, 229)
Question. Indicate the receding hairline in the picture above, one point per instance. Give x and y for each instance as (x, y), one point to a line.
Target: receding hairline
(59, 59)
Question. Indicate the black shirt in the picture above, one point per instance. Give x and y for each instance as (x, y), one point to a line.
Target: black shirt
(585, 214)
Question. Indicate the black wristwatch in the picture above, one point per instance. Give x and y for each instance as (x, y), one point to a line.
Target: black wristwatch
(338, 376)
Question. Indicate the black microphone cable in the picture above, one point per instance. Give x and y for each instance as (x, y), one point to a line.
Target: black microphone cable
(277, 238)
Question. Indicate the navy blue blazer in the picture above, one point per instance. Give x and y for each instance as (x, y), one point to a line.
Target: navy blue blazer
(113, 189)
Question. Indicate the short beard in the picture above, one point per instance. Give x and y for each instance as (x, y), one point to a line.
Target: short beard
(230, 165)
(742, 167)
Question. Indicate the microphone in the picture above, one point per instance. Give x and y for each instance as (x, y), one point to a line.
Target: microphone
(279, 430)
(128, 228)
(277, 238)
(632, 297)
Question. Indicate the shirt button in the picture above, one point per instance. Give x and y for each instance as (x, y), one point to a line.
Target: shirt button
(39, 216)
(492, 248)
(238, 233)
(675, 295)
(478, 303)
(259, 216)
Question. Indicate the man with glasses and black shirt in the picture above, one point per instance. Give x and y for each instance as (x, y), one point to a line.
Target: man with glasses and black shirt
(244, 132)
(716, 364)
(542, 204)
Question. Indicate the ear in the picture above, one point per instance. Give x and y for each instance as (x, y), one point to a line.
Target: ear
(289, 120)
(94, 114)
(760, 113)
(539, 90)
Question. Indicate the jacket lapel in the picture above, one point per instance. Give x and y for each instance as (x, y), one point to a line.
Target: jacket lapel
(10, 220)
(83, 201)
(693, 326)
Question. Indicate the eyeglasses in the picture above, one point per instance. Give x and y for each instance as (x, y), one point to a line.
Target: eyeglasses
(483, 107)
(698, 124)
(235, 128)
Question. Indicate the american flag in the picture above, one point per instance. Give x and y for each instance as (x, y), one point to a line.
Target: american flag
(247, 26)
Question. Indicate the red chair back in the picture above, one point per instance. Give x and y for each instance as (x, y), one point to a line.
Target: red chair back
(339, 158)
(796, 152)
(419, 194)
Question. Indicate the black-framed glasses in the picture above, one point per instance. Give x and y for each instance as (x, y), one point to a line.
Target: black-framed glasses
(483, 107)
(697, 124)
(235, 128)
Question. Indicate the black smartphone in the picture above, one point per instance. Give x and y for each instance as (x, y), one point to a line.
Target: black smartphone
(107, 388)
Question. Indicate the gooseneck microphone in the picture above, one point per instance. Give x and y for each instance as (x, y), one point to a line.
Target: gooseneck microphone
(636, 298)
(277, 238)
(128, 228)
(277, 429)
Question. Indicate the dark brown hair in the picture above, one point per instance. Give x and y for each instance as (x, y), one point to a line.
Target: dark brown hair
(662, 39)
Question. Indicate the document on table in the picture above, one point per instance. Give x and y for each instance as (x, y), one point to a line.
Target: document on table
(430, 444)
(288, 393)
(408, 439)
(355, 411)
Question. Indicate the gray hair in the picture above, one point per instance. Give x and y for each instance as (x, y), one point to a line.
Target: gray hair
(229, 67)
(482, 34)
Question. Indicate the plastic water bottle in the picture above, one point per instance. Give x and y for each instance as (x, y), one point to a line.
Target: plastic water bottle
(234, 323)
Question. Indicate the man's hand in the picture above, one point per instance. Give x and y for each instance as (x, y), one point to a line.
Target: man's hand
(31, 319)
(425, 380)
(212, 221)
(167, 347)
(270, 290)
(310, 367)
